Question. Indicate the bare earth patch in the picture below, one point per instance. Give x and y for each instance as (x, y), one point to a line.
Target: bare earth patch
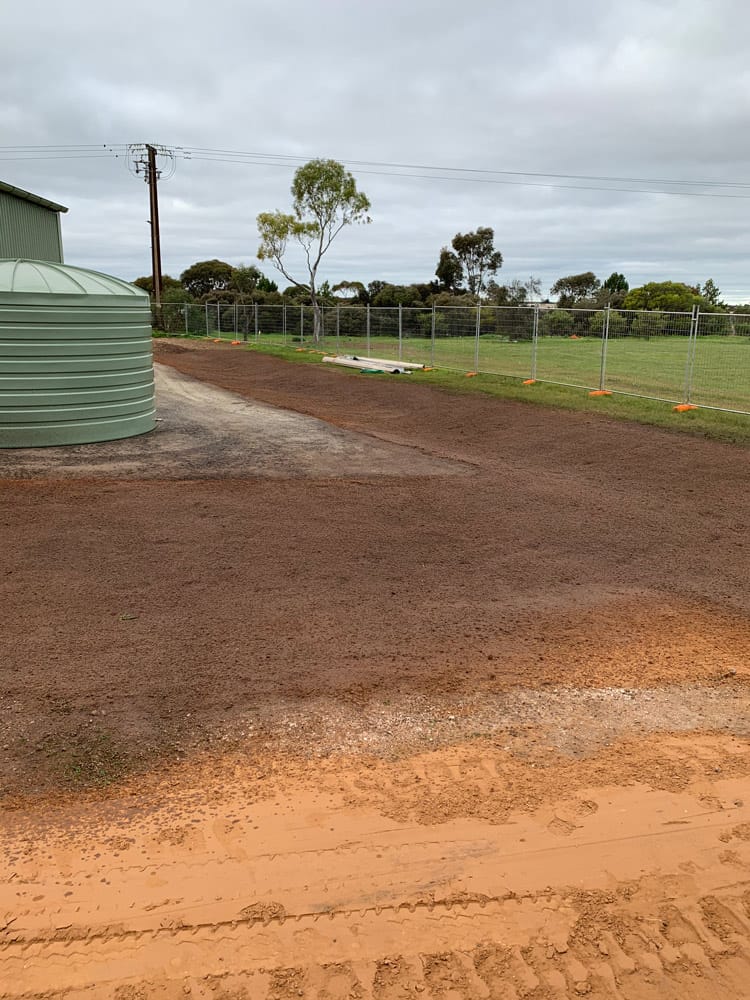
(465, 716)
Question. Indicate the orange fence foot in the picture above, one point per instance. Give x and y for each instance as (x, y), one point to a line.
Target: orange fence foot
(600, 392)
(684, 407)
(529, 381)
(471, 374)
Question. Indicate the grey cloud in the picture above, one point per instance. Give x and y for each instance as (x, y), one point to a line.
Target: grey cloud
(648, 89)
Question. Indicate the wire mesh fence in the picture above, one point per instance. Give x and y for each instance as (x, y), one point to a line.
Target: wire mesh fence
(701, 358)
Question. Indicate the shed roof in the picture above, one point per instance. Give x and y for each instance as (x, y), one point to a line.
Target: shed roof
(28, 196)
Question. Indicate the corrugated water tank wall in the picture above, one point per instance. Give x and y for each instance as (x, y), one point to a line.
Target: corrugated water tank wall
(76, 360)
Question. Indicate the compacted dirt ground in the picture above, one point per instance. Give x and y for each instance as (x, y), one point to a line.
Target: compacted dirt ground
(468, 721)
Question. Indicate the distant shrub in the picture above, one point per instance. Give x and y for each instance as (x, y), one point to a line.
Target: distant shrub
(556, 323)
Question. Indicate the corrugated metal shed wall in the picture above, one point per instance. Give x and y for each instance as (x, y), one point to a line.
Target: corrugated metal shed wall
(29, 230)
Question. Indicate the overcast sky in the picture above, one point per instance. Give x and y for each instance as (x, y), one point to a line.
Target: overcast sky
(653, 90)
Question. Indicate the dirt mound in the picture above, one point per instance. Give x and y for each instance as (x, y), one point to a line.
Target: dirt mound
(168, 347)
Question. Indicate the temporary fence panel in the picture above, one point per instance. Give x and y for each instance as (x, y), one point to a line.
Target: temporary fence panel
(702, 358)
(384, 333)
(507, 340)
(569, 347)
(647, 353)
(415, 343)
(720, 367)
(455, 338)
(269, 325)
(352, 330)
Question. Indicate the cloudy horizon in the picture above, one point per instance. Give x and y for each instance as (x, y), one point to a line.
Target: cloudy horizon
(656, 92)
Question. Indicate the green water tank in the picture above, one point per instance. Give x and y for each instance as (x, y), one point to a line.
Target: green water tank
(76, 362)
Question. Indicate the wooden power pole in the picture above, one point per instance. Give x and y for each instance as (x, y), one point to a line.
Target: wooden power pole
(152, 178)
(155, 163)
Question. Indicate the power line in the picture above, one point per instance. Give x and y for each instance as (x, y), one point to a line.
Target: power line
(70, 145)
(61, 156)
(495, 180)
(63, 150)
(481, 170)
(393, 169)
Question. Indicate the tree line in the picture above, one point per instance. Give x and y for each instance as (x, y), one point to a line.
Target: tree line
(325, 199)
(218, 281)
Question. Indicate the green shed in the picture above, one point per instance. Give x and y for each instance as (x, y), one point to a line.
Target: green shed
(76, 360)
(29, 225)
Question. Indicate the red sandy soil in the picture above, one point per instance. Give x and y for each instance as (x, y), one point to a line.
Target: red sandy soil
(149, 625)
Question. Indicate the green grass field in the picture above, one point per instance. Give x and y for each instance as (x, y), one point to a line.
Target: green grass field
(653, 366)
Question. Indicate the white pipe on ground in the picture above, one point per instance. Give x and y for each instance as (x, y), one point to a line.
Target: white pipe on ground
(391, 368)
(384, 361)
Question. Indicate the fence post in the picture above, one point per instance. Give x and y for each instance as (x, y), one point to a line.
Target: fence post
(534, 341)
(367, 349)
(185, 309)
(255, 321)
(432, 338)
(476, 336)
(283, 323)
(338, 327)
(207, 319)
(400, 330)
(605, 343)
(301, 324)
(690, 363)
